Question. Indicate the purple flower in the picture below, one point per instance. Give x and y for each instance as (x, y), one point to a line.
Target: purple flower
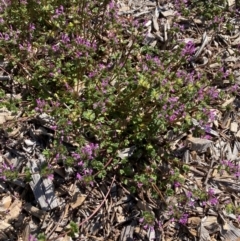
(6, 37)
(78, 54)
(76, 156)
(87, 171)
(171, 172)
(32, 238)
(55, 47)
(79, 177)
(80, 163)
(23, 2)
(111, 4)
(189, 194)
(50, 176)
(191, 203)
(208, 137)
(213, 201)
(31, 27)
(177, 184)
(58, 12)
(145, 226)
(89, 150)
(173, 99)
(65, 38)
(61, 9)
(213, 92)
(183, 220)
(204, 203)
(78, 40)
(172, 118)
(189, 49)
(237, 174)
(210, 192)
(141, 220)
(223, 162)
(230, 164)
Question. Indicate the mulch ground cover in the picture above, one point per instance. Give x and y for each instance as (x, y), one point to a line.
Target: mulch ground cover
(108, 210)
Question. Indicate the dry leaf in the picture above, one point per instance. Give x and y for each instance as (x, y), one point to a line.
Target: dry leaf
(77, 201)
(194, 221)
(5, 203)
(26, 233)
(15, 210)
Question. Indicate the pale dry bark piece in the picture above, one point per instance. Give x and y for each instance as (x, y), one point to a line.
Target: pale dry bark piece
(211, 223)
(4, 225)
(14, 133)
(42, 131)
(231, 3)
(229, 231)
(198, 144)
(42, 188)
(193, 232)
(127, 152)
(214, 65)
(26, 233)
(226, 120)
(155, 21)
(34, 211)
(208, 130)
(4, 115)
(168, 13)
(230, 154)
(205, 40)
(120, 218)
(151, 234)
(238, 134)
(65, 238)
(14, 210)
(203, 232)
(127, 231)
(79, 88)
(236, 42)
(228, 102)
(5, 204)
(234, 127)
(229, 215)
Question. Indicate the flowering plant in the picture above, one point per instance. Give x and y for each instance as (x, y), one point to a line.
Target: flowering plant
(85, 65)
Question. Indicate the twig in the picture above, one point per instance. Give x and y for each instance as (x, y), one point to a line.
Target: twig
(192, 169)
(96, 210)
(209, 172)
(59, 221)
(87, 219)
(105, 166)
(159, 192)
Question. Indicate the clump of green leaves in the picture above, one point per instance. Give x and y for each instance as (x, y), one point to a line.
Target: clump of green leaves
(104, 94)
(41, 237)
(147, 219)
(230, 208)
(118, 95)
(74, 229)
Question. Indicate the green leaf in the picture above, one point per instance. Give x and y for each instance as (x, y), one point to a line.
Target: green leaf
(89, 115)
